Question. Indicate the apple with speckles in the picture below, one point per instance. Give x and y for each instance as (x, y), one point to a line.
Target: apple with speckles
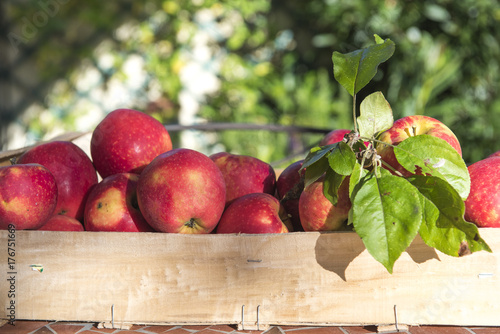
(62, 223)
(412, 126)
(317, 213)
(28, 196)
(73, 170)
(182, 191)
(253, 214)
(126, 141)
(244, 175)
(112, 206)
(482, 206)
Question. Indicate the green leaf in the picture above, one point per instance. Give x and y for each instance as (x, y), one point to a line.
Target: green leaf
(378, 39)
(357, 174)
(316, 163)
(375, 115)
(342, 159)
(426, 154)
(443, 226)
(386, 213)
(316, 153)
(331, 185)
(354, 70)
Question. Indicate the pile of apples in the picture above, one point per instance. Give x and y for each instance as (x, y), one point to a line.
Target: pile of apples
(146, 185)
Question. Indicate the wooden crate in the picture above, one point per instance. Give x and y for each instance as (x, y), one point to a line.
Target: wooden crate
(274, 279)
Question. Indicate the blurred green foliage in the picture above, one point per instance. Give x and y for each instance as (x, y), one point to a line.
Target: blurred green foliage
(273, 60)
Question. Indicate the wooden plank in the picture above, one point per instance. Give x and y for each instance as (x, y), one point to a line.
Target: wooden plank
(291, 279)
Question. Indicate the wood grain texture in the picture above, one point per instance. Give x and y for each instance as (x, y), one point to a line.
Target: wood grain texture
(292, 279)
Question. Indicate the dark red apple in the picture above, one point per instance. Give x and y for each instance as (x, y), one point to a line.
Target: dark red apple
(317, 213)
(182, 191)
(62, 223)
(412, 126)
(244, 175)
(73, 170)
(333, 137)
(482, 207)
(126, 141)
(291, 185)
(112, 206)
(28, 196)
(253, 213)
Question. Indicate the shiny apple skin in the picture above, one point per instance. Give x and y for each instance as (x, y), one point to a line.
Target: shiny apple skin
(317, 213)
(482, 206)
(255, 213)
(244, 175)
(73, 170)
(62, 223)
(126, 141)
(182, 191)
(112, 206)
(28, 196)
(412, 126)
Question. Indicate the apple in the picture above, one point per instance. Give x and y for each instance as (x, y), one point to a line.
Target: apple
(291, 185)
(244, 175)
(62, 223)
(482, 207)
(112, 206)
(73, 170)
(333, 137)
(182, 191)
(317, 213)
(254, 214)
(28, 196)
(126, 141)
(412, 126)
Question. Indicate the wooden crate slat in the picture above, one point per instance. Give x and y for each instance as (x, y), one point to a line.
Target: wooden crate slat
(294, 278)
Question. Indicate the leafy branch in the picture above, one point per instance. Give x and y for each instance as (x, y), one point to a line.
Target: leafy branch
(388, 209)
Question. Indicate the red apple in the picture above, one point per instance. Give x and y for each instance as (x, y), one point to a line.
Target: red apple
(253, 213)
(317, 213)
(182, 191)
(112, 206)
(412, 126)
(290, 183)
(73, 170)
(333, 137)
(126, 141)
(482, 207)
(244, 175)
(28, 196)
(62, 223)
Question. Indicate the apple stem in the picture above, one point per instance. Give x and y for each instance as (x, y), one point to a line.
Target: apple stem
(354, 112)
(412, 132)
(391, 168)
(191, 223)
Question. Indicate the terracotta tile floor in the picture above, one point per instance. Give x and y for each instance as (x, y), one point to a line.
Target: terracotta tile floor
(42, 327)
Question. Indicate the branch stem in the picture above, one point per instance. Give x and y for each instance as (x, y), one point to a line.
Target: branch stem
(354, 113)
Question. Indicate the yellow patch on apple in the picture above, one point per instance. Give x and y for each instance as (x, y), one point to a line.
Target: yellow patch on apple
(109, 210)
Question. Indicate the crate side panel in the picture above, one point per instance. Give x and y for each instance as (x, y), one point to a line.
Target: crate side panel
(295, 278)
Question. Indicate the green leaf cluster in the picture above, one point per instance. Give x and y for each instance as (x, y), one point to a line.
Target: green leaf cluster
(388, 210)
